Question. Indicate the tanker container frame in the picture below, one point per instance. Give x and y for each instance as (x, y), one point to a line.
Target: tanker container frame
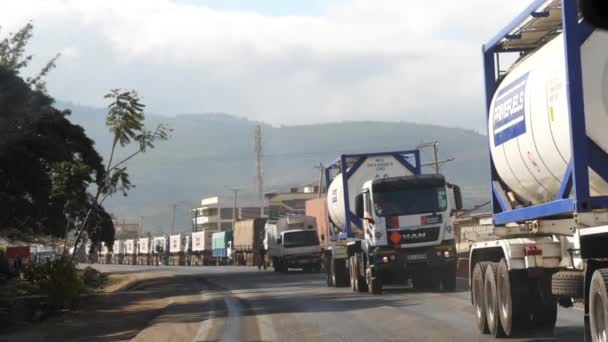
(549, 245)
(369, 249)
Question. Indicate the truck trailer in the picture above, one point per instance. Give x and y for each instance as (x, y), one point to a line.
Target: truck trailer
(143, 251)
(160, 251)
(546, 117)
(292, 242)
(221, 245)
(179, 249)
(389, 223)
(248, 240)
(201, 248)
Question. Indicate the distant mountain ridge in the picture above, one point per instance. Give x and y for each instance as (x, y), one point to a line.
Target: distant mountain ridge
(210, 153)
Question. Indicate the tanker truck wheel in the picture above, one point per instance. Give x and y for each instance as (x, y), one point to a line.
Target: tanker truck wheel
(448, 280)
(513, 299)
(374, 285)
(339, 273)
(490, 300)
(598, 305)
(275, 265)
(477, 296)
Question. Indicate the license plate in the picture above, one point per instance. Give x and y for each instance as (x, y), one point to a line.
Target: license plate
(416, 257)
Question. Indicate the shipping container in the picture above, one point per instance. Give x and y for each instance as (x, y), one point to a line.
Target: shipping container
(201, 247)
(221, 242)
(248, 240)
(317, 208)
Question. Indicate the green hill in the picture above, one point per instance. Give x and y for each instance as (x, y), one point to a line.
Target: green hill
(210, 153)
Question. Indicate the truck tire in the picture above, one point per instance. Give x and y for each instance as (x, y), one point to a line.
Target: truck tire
(490, 299)
(275, 265)
(374, 285)
(568, 284)
(598, 305)
(448, 281)
(360, 279)
(353, 274)
(328, 271)
(513, 299)
(477, 296)
(339, 273)
(544, 309)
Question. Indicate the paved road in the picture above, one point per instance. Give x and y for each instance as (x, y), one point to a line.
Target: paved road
(244, 304)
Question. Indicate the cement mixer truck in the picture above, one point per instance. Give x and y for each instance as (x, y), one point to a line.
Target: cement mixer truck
(389, 223)
(547, 117)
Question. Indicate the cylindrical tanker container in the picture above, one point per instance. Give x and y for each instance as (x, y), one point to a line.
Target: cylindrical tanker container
(371, 168)
(529, 119)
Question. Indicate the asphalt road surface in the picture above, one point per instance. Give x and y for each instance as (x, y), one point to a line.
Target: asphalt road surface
(244, 304)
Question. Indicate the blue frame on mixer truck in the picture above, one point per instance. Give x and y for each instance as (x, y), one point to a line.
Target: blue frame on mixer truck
(585, 153)
(341, 165)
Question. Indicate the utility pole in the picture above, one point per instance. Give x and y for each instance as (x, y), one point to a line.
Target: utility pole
(234, 208)
(436, 156)
(436, 164)
(258, 160)
(173, 218)
(141, 226)
(321, 170)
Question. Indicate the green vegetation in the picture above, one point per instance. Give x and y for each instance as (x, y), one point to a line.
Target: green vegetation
(52, 179)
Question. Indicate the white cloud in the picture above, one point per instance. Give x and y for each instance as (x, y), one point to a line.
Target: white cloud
(362, 59)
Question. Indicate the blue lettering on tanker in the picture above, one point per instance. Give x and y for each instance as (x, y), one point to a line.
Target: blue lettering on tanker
(510, 111)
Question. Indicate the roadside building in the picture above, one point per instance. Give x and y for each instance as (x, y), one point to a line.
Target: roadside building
(215, 214)
(124, 230)
(289, 203)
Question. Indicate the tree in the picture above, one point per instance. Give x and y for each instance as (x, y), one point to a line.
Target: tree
(125, 120)
(41, 154)
(48, 164)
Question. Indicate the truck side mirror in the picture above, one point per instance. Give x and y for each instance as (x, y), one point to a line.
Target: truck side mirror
(596, 12)
(458, 197)
(359, 206)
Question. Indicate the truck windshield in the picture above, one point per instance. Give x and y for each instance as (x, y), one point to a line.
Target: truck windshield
(401, 202)
(300, 239)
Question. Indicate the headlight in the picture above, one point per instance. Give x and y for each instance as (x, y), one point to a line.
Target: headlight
(393, 257)
(385, 259)
(438, 253)
(447, 254)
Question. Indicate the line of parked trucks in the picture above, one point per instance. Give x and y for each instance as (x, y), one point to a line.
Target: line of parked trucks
(288, 242)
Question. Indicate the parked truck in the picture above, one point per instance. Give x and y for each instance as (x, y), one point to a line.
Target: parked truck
(143, 251)
(201, 247)
(222, 247)
(248, 240)
(118, 252)
(389, 223)
(292, 242)
(179, 249)
(547, 117)
(160, 253)
(130, 252)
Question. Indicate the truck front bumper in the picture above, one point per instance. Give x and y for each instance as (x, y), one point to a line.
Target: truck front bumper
(439, 257)
(299, 260)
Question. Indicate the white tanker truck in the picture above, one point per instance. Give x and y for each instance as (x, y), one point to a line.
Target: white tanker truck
(549, 173)
(389, 223)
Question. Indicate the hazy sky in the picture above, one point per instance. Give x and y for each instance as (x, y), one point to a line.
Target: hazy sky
(281, 61)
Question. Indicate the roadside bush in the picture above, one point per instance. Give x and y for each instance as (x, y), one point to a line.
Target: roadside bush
(58, 280)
